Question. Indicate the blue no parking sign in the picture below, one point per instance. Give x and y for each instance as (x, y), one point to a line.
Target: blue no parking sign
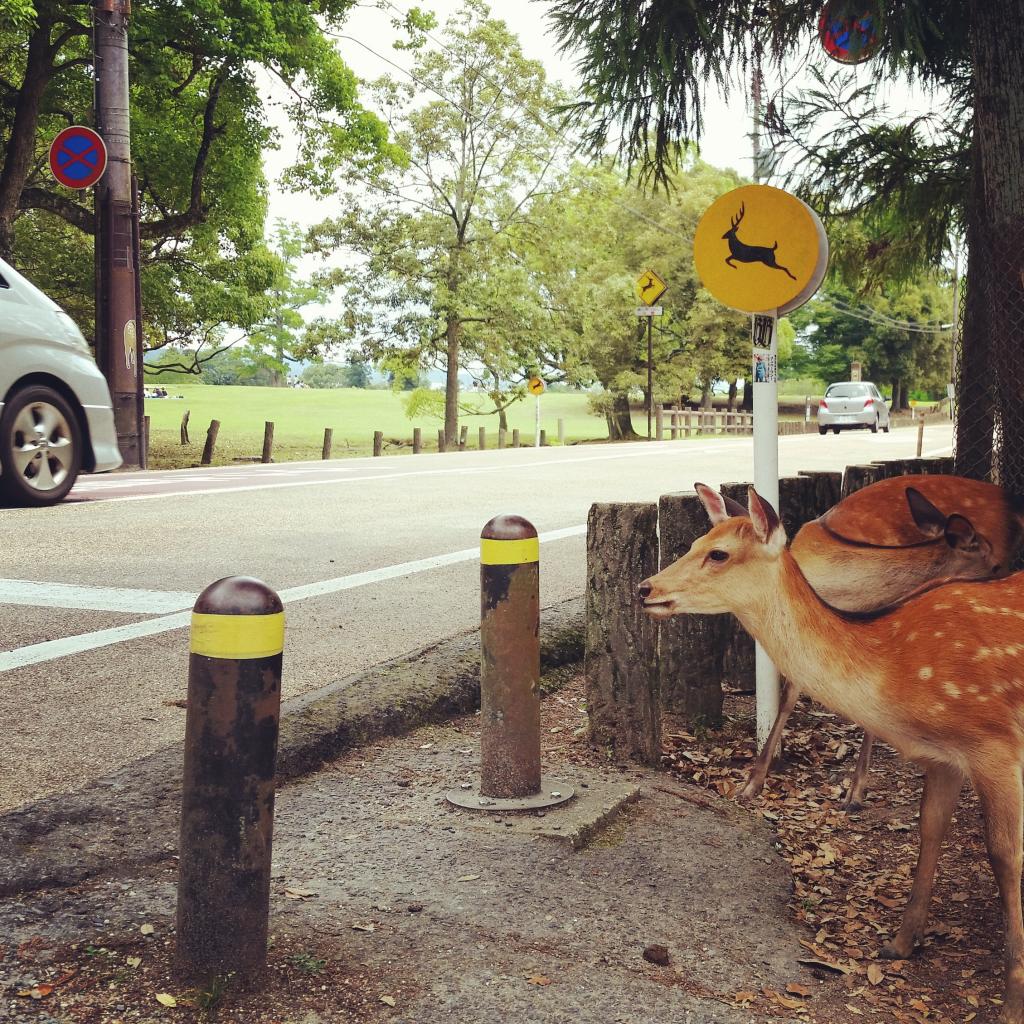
(78, 157)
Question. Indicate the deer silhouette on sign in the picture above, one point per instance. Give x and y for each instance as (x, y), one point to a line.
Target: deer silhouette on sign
(750, 253)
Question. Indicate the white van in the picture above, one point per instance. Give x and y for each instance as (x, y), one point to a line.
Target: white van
(56, 417)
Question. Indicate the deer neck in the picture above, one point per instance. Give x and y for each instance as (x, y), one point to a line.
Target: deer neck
(826, 655)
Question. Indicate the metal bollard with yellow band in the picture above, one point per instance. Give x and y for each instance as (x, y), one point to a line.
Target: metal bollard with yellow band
(227, 814)
(510, 771)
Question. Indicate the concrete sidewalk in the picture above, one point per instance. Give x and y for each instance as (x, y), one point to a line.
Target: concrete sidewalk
(459, 916)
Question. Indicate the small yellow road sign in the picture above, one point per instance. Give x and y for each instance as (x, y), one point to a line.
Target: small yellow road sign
(536, 386)
(759, 249)
(650, 287)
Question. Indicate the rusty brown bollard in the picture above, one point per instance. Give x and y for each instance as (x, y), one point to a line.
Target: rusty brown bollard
(227, 803)
(510, 776)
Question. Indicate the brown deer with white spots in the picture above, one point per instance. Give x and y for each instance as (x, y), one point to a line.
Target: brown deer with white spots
(952, 701)
(878, 546)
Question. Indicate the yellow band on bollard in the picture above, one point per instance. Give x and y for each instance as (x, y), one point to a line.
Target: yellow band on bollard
(240, 637)
(509, 552)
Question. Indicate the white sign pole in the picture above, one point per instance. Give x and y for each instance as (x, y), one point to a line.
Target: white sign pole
(536, 431)
(766, 482)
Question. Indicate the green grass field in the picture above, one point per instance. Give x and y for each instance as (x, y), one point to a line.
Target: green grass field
(300, 416)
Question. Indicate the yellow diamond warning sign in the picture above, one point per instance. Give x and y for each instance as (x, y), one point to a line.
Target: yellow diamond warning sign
(650, 287)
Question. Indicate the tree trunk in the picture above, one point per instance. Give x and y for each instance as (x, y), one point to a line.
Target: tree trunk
(620, 423)
(621, 658)
(20, 148)
(733, 389)
(451, 387)
(705, 397)
(998, 62)
(748, 396)
(688, 645)
(975, 413)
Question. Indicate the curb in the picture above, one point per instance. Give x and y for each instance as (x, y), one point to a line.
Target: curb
(131, 817)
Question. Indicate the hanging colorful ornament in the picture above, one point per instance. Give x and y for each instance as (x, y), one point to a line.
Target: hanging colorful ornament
(848, 30)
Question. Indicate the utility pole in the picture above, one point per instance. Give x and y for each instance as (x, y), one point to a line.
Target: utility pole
(118, 312)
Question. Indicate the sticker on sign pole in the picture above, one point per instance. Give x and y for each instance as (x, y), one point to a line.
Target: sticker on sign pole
(78, 157)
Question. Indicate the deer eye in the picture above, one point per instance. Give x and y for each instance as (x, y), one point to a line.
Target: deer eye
(718, 555)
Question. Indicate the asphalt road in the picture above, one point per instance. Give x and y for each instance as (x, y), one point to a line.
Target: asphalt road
(373, 558)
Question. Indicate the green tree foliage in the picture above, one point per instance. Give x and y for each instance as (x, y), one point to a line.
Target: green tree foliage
(331, 375)
(645, 70)
(199, 128)
(430, 287)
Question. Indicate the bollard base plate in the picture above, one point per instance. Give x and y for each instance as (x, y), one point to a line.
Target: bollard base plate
(552, 792)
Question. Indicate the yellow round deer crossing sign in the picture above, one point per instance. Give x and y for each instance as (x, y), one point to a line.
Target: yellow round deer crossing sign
(760, 250)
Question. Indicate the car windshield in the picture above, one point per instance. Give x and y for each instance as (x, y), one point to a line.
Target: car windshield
(847, 391)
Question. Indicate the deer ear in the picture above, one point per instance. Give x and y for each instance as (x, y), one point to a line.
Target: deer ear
(767, 526)
(960, 534)
(930, 520)
(734, 508)
(713, 502)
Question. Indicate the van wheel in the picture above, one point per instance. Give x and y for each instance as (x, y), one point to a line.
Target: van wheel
(40, 447)
(835, 430)
(823, 431)
(874, 426)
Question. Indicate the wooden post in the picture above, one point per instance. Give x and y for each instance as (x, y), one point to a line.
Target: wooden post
(463, 434)
(483, 439)
(920, 435)
(515, 437)
(417, 440)
(184, 427)
(502, 435)
(621, 658)
(268, 442)
(328, 441)
(543, 439)
(561, 431)
(211, 443)
(688, 424)
(673, 418)
(659, 422)
(688, 645)
(378, 442)
(440, 441)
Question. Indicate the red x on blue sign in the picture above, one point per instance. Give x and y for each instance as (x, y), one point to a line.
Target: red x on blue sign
(78, 157)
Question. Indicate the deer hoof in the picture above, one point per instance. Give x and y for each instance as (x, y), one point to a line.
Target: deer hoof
(896, 950)
(749, 793)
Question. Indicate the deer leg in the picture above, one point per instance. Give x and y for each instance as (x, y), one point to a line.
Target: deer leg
(1002, 804)
(763, 761)
(855, 798)
(942, 785)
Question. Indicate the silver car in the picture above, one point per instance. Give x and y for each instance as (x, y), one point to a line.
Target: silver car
(852, 405)
(56, 417)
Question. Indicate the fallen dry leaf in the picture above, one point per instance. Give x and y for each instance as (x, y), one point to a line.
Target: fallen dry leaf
(538, 979)
(875, 974)
(147, 929)
(744, 997)
(134, 961)
(388, 1000)
(795, 989)
(294, 893)
(467, 878)
(360, 927)
(166, 999)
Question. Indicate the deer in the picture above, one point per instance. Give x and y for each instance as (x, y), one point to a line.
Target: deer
(937, 676)
(750, 253)
(878, 546)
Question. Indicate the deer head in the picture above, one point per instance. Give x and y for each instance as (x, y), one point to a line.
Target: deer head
(724, 570)
(734, 222)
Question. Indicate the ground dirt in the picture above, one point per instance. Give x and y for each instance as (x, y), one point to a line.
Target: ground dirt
(387, 904)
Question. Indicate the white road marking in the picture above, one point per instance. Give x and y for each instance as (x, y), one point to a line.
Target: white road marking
(38, 594)
(63, 647)
(450, 471)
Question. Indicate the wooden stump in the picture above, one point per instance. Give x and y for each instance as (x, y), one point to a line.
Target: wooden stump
(515, 437)
(378, 442)
(561, 431)
(827, 488)
(502, 434)
(463, 434)
(659, 422)
(184, 427)
(325, 451)
(268, 442)
(211, 443)
(857, 477)
(440, 441)
(621, 658)
(417, 440)
(688, 645)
